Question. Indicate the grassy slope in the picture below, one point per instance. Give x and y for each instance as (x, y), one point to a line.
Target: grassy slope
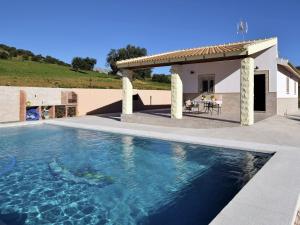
(34, 74)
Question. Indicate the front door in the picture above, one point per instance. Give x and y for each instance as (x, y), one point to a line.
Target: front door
(260, 92)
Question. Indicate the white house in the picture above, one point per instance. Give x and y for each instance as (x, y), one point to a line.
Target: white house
(248, 75)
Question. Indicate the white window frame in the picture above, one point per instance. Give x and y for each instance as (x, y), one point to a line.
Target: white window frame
(295, 87)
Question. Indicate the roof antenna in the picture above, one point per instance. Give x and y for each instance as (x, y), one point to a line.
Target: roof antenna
(242, 28)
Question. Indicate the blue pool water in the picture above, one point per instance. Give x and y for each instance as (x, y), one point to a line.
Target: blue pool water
(57, 175)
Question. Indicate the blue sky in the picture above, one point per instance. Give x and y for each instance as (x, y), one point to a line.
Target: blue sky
(65, 28)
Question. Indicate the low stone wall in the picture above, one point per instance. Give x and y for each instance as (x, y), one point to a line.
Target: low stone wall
(89, 101)
(9, 104)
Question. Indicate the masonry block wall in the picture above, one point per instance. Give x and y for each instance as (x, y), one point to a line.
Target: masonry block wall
(88, 99)
(9, 104)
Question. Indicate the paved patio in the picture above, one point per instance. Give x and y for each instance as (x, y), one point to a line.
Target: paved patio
(275, 130)
(195, 119)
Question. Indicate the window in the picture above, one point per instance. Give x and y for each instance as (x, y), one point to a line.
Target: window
(287, 85)
(295, 87)
(206, 84)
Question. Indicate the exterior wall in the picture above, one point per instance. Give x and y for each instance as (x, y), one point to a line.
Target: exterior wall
(271, 103)
(154, 97)
(91, 99)
(9, 104)
(267, 60)
(287, 106)
(227, 76)
(88, 100)
(43, 96)
(281, 85)
(287, 102)
(227, 73)
(227, 79)
(106, 97)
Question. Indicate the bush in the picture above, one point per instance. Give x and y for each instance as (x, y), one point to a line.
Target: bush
(13, 53)
(4, 55)
(24, 52)
(37, 58)
(52, 60)
(162, 78)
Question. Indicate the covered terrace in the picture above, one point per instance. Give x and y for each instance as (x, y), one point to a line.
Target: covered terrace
(245, 51)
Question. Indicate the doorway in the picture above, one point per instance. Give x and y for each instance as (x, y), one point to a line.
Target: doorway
(259, 92)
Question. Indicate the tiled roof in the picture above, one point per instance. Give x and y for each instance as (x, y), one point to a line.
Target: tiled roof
(215, 51)
(288, 66)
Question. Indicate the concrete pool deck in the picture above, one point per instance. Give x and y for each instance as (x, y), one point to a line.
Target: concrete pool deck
(270, 197)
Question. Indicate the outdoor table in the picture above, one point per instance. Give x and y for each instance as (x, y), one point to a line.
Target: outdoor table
(206, 104)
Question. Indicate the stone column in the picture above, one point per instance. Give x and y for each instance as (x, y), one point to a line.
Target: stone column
(247, 91)
(127, 92)
(176, 94)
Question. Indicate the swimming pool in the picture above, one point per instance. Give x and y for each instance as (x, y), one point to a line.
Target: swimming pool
(58, 175)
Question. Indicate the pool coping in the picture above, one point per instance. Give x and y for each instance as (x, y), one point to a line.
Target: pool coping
(257, 203)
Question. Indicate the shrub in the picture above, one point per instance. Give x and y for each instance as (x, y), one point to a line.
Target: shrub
(4, 55)
(37, 58)
(162, 78)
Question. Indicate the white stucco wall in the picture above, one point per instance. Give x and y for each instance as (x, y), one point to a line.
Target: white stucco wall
(227, 76)
(268, 61)
(227, 73)
(282, 84)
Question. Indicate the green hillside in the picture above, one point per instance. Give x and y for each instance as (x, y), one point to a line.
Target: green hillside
(36, 74)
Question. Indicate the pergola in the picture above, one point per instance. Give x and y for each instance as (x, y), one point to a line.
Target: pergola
(242, 50)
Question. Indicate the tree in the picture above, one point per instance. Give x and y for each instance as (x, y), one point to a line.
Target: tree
(79, 63)
(162, 78)
(52, 60)
(13, 53)
(23, 52)
(4, 55)
(25, 57)
(90, 63)
(37, 58)
(130, 51)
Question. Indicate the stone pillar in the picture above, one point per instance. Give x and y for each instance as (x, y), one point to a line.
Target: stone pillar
(127, 92)
(247, 91)
(176, 94)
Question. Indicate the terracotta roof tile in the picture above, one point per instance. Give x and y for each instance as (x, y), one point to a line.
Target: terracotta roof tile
(193, 52)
